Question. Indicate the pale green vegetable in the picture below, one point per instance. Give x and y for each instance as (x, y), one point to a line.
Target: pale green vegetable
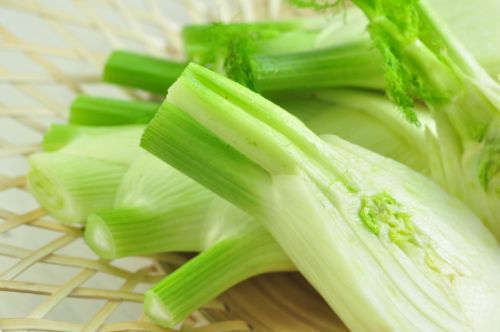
(171, 208)
(97, 111)
(367, 119)
(282, 56)
(82, 169)
(236, 248)
(213, 43)
(476, 25)
(158, 209)
(141, 71)
(383, 244)
(425, 60)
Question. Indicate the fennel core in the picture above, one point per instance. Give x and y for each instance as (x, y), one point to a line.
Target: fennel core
(386, 218)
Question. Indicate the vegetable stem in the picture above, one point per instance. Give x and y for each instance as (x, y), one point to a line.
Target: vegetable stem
(221, 163)
(98, 111)
(141, 71)
(223, 265)
(316, 198)
(82, 168)
(133, 231)
(70, 187)
(350, 65)
(58, 135)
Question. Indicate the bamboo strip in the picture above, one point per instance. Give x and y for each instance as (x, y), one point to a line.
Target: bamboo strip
(71, 261)
(35, 256)
(170, 258)
(55, 16)
(19, 150)
(235, 325)
(174, 45)
(197, 11)
(60, 293)
(5, 214)
(39, 49)
(52, 70)
(47, 101)
(56, 226)
(102, 26)
(109, 35)
(15, 324)
(8, 182)
(31, 123)
(275, 7)
(156, 45)
(25, 77)
(107, 309)
(17, 220)
(188, 324)
(79, 292)
(215, 305)
(83, 292)
(4, 143)
(73, 80)
(134, 326)
(74, 43)
(26, 111)
(248, 11)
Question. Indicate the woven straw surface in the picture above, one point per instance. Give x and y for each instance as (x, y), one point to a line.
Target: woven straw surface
(50, 51)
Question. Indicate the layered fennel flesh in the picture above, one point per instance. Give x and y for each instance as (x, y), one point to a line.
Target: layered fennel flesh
(366, 231)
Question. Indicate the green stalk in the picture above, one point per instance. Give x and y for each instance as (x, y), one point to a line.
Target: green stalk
(141, 71)
(209, 44)
(382, 244)
(85, 139)
(221, 163)
(353, 64)
(98, 111)
(57, 136)
(228, 262)
(266, 147)
(134, 231)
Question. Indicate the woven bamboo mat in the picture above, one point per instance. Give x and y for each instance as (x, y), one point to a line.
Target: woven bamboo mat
(50, 51)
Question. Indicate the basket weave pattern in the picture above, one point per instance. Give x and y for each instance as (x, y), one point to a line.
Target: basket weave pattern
(55, 64)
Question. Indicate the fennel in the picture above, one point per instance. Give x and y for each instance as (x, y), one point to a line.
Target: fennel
(364, 230)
